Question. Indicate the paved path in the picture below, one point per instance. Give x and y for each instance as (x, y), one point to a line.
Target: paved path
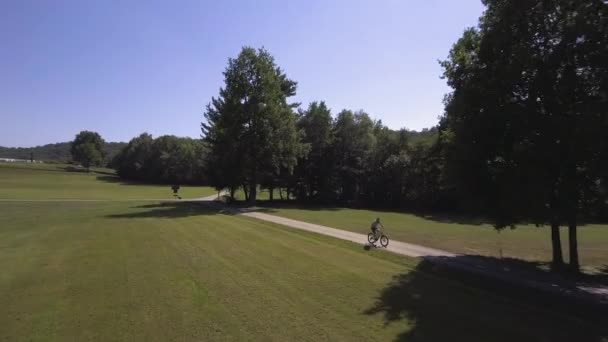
(403, 248)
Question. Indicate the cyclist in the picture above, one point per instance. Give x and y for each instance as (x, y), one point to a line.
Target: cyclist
(375, 225)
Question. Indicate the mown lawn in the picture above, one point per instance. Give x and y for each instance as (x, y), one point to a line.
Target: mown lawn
(457, 234)
(57, 181)
(145, 271)
(120, 270)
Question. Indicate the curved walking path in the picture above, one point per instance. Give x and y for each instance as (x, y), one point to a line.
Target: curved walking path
(398, 247)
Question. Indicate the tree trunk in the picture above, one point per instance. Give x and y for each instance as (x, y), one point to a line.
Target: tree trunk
(271, 193)
(232, 191)
(311, 191)
(246, 193)
(573, 244)
(557, 262)
(253, 190)
(281, 193)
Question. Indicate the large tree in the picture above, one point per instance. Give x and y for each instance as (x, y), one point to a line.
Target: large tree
(525, 124)
(250, 127)
(88, 149)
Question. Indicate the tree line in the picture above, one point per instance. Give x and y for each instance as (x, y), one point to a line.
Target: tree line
(59, 152)
(166, 159)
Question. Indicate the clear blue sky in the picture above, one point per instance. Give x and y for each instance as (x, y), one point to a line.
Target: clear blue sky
(124, 67)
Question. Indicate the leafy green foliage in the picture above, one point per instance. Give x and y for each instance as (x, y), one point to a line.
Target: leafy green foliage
(356, 160)
(166, 159)
(314, 170)
(525, 125)
(88, 149)
(250, 128)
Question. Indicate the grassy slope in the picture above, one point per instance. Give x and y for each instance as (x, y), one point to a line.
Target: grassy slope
(52, 181)
(528, 242)
(127, 271)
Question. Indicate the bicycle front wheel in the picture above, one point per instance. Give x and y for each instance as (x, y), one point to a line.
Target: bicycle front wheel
(384, 240)
(371, 238)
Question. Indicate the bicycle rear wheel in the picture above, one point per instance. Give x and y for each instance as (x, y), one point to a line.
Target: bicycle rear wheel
(384, 240)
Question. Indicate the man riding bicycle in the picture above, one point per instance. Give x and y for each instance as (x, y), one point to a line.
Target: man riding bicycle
(375, 226)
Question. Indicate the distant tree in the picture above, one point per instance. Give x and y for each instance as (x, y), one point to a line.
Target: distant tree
(131, 161)
(167, 159)
(378, 187)
(250, 128)
(88, 149)
(525, 125)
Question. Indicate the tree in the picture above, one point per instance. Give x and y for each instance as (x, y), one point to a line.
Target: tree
(167, 159)
(250, 128)
(353, 146)
(525, 124)
(131, 161)
(88, 149)
(314, 170)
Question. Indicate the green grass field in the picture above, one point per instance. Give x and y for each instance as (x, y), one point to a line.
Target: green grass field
(148, 271)
(52, 181)
(527, 242)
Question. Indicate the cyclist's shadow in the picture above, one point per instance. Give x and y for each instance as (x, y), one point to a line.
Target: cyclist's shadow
(367, 246)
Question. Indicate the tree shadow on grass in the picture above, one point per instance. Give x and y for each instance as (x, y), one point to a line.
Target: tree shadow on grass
(115, 179)
(436, 216)
(446, 304)
(172, 210)
(111, 178)
(72, 168)
(36, 168)
(446, 217)
(270, 207)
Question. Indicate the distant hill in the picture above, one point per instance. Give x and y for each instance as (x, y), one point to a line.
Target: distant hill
(54, 152)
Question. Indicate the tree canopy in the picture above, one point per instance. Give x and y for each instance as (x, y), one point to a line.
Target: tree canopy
(250, 127)
(88, 149)
(166, 159)
(525, 124)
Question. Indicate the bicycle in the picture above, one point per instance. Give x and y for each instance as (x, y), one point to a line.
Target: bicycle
(379, 235)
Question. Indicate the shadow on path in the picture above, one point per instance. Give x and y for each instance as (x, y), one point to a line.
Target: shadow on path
(443, 304)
